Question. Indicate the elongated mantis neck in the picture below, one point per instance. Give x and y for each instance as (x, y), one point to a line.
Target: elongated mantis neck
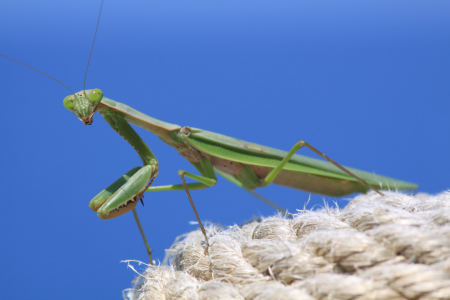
(167, 132)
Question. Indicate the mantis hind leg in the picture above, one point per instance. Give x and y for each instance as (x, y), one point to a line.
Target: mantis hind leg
(271, 176)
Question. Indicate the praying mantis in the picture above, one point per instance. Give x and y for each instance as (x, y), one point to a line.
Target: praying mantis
(246, 164)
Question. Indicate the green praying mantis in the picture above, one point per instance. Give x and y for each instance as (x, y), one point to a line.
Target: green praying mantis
(246, 164)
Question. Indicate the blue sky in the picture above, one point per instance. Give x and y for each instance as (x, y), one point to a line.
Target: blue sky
(366, 82)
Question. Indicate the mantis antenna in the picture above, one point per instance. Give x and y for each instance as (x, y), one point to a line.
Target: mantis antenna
(90, 55)
(92, 48)
(39, 72)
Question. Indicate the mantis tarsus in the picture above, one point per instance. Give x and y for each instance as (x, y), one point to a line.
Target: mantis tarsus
(247, 165)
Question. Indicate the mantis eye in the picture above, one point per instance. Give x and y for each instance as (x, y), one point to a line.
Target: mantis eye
(69, 102)
(95, 96)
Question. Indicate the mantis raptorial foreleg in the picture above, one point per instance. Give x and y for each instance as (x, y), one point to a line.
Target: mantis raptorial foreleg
(124, 194)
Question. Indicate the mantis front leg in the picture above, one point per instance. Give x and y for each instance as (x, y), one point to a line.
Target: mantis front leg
(124, 194)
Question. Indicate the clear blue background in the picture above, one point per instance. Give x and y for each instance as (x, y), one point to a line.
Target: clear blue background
(366, 82)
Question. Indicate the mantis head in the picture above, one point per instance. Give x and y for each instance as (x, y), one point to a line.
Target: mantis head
(84, 104)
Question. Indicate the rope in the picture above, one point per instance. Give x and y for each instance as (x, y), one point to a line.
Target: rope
(395, 246)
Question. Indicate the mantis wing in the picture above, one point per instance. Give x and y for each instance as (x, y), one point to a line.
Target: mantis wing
(247, 153)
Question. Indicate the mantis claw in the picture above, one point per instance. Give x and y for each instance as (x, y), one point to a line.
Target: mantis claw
(107, 193)
(124, 194)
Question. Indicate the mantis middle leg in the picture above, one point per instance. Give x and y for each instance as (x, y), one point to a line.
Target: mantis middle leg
(207, 179)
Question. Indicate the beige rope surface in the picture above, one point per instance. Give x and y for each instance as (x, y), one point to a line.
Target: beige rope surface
(395, 246)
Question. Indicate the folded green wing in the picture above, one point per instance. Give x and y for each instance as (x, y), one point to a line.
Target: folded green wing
(253, 154)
